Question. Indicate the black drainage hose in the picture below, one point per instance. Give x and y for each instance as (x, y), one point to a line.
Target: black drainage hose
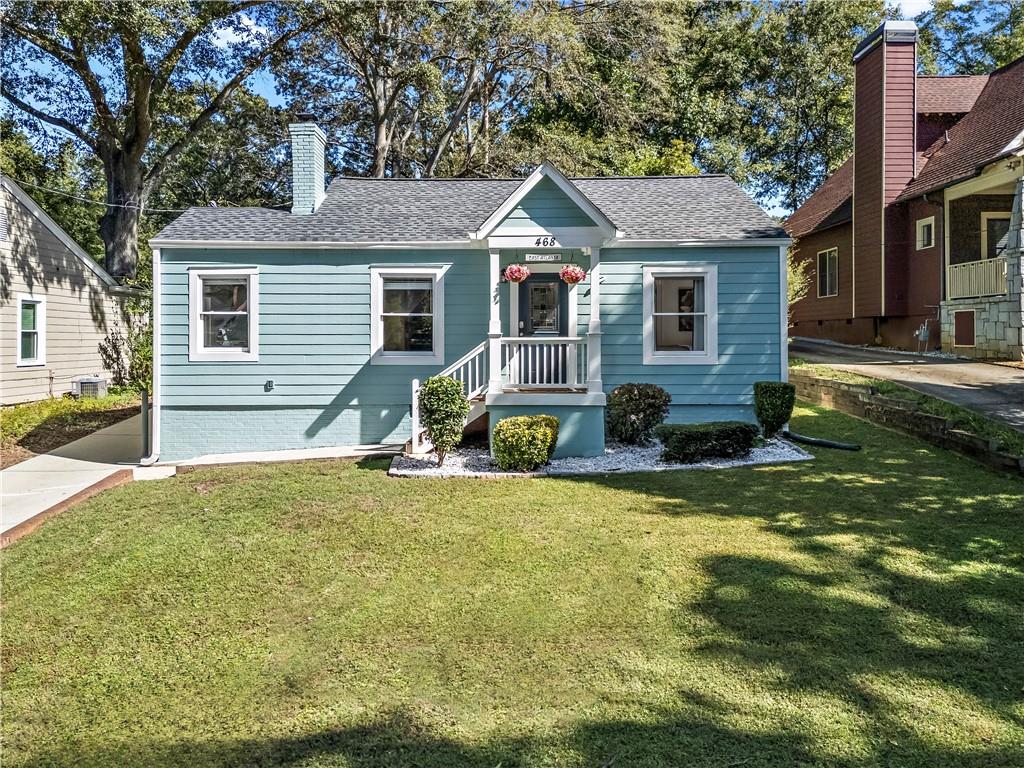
(819, 442)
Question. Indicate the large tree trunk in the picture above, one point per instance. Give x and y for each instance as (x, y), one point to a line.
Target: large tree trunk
(119, 226)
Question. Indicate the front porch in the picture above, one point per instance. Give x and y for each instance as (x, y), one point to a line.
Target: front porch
(982, 314)
(542, 352)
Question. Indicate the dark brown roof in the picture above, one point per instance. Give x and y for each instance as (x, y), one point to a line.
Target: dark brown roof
(825, 207)
(982, 135)
(955, 94)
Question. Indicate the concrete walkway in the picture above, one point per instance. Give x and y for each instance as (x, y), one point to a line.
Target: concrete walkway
(40, 483)
(995, 390)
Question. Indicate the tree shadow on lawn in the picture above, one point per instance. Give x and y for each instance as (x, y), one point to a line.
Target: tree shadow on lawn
(399, 739)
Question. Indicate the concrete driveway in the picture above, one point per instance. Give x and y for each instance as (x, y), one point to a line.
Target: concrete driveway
(41, 483)
(995, 390)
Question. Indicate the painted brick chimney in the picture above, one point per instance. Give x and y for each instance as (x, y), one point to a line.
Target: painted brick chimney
(308, 144)
(884, 139)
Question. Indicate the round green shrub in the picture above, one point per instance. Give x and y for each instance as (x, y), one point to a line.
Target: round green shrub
(523, 443)
(634, 410)
(443, 411)
(773, 405)
(687, 443)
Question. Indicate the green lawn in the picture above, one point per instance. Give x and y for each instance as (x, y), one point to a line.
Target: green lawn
(1009, 439)
(863, 609)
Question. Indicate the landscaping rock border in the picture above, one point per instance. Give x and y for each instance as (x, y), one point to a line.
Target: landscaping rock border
(617, 459)
(864, 401)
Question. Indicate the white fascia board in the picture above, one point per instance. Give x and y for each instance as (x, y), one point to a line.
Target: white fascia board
(313, 244)
(748, 242)
(55, 229)
(546, 169)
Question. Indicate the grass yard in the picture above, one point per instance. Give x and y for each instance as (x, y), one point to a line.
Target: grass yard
(32, 428)
(1009, 439)
(863, 609)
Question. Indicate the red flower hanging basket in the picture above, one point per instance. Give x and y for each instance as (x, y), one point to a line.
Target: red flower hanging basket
(516, 273)
(572, 274)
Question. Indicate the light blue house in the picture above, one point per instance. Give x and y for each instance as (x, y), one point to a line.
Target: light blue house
(308, 328)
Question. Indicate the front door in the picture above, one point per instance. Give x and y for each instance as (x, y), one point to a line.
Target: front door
(544, 312)
(543, 306)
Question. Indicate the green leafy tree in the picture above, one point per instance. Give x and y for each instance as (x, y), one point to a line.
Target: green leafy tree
(967, 37)
(134, 82)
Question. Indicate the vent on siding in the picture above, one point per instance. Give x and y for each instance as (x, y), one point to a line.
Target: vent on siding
(3, 225)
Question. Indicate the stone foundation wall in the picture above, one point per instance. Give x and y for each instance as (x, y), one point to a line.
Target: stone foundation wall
(998, 321)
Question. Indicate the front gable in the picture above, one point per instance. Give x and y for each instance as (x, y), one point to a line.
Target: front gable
(547, 209)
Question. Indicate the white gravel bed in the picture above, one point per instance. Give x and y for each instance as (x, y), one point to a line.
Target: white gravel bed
(477, 462)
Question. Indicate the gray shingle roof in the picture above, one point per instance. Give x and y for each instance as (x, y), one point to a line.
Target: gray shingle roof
(402, 210)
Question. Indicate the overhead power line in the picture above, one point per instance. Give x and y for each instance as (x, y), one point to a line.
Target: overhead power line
(97, 202)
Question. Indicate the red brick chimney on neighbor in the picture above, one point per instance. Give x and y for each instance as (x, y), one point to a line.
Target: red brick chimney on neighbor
(885, 125)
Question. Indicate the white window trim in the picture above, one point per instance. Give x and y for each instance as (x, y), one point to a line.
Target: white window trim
(40, 359)
(817, 273)
(377, 354)
(919, 225)
(196, 351)
(709, 356)
(986, 216)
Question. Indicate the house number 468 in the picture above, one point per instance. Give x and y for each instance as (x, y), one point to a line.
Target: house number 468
(546, 241)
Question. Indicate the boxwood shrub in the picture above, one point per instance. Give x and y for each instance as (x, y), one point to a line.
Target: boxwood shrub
(773, 405)
(523, 443)
(634, 410)
(687, 443)
(443, 411)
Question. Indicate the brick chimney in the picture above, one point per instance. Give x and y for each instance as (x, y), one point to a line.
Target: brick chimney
(884, 136)
(308, 144)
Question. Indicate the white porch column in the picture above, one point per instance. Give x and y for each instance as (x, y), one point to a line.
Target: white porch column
(494, 326)
(594, 327)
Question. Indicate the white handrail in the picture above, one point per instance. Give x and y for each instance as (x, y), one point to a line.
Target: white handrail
(470, 370)
(544, 362)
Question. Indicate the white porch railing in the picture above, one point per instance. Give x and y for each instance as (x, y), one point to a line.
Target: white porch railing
(538, 362)
(470, 370)
(977, 278)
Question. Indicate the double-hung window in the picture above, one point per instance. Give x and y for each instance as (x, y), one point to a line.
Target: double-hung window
(407, 309)
(223, 315)
(31, 331)
(828, 273)
(680, 315)
(995, 233)
(925, 229)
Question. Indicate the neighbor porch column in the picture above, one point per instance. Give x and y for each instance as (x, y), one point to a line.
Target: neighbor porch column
(494, 325)
(594, 327)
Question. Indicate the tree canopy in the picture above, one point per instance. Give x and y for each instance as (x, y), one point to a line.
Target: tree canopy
(154, 105)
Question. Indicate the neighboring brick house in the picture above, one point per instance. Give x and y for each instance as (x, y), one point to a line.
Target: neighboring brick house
(914, 241)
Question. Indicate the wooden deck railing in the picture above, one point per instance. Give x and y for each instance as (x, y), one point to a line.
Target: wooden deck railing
(973, 279)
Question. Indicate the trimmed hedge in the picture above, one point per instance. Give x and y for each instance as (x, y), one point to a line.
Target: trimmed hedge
(687, 443)
(773, 405)
(634, 410)
(443, 411)
(523, 443)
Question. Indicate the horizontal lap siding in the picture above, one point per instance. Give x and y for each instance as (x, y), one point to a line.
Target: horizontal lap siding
(839, 307)
(314, 343)
(545, 207)
(80, 310)
(749, 329)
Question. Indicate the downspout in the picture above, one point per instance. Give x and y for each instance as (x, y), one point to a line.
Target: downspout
(154, 448)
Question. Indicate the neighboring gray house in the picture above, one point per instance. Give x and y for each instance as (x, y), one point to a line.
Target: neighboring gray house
(56, 303)
(312, 328)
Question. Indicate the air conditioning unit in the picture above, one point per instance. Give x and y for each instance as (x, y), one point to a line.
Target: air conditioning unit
(90, 386)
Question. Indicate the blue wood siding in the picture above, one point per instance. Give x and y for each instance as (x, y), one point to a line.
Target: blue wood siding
(749, 329)
(315, 344)
(547, 207)
(314, 316)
